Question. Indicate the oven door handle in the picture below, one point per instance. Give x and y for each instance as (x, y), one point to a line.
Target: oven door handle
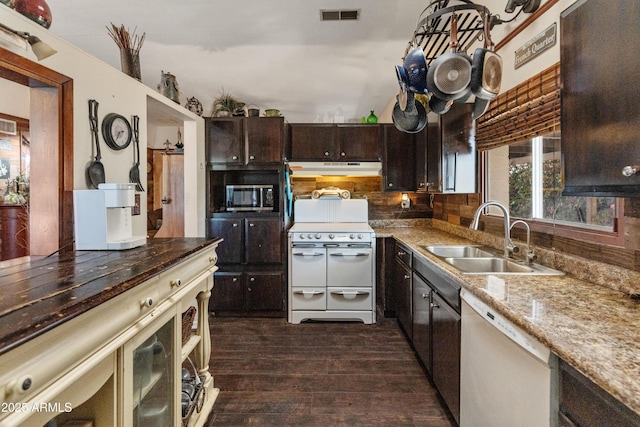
(303, 245)
(310, 293)
(355, 254)
(331, 245)
(349, 293)
(307, 253)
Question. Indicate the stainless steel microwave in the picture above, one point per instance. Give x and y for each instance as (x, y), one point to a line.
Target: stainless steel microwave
(249, 198)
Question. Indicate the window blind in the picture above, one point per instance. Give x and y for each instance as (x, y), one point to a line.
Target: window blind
(530, 109)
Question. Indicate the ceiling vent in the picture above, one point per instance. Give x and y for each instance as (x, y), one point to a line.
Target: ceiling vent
(340, 15)
(8, 126)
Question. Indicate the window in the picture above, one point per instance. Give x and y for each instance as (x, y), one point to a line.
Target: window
(527, 176)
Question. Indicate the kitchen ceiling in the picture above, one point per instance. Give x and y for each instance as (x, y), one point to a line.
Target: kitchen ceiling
(272, 54)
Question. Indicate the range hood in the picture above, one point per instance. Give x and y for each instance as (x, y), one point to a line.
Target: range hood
(336, 168)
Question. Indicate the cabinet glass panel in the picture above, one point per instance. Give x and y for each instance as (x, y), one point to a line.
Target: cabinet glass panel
(153, 379)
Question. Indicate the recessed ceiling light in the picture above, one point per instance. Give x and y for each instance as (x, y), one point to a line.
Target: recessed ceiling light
(339, 15)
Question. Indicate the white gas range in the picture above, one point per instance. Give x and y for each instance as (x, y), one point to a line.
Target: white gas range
(331, 261)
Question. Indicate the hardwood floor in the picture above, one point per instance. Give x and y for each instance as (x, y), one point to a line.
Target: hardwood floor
(272, 373)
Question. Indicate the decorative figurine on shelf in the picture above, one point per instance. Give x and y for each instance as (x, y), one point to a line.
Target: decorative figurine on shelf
(167, 144)
(194, 105)
(372, 118)
(179, 144)
(169, 86)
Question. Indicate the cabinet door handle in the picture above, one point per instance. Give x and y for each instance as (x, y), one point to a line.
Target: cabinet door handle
(401, 253)
(252, 157)
(406, 276)
(235, 224)
(234, 158)
(253, 279)
(343, 154)
(251, 224)
(146, 303)
(425, 296)
(630, 170)
(390, 184)
(326, 154)
(235, 279)
(176, 283)
(435, 305)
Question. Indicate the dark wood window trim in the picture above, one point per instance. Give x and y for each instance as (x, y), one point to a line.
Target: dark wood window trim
(31, 74)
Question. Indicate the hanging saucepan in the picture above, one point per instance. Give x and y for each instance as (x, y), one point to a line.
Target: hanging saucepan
(439, 106)
(449, 75)
(480, 106)
(416, 66)
(413, 119)
(486, 72)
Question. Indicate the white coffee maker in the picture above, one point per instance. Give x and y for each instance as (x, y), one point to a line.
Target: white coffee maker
(103, 218)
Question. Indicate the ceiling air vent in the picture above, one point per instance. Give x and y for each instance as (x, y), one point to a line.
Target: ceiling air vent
(340, 15)
(8, 126)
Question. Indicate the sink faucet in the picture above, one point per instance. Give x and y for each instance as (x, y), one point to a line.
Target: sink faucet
(508, 244)
(530, 255)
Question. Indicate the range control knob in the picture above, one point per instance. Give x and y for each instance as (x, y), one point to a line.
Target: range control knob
(352, 236)
(359, 236)
(331, 236)
(302, 236)
(317, 236)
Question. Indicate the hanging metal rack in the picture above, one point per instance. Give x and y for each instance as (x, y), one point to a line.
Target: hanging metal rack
(433, 31)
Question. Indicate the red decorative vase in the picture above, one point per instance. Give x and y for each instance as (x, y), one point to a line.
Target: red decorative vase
(36, 10)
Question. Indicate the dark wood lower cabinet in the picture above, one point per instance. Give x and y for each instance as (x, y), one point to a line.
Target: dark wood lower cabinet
(445, 338)
(584, 404)
(257, 293)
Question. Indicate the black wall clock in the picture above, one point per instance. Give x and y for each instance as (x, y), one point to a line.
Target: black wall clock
(116, 131)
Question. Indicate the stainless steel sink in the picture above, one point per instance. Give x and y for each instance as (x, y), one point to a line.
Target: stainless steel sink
(474, 259)
(460, 251)
(498, 265)
(488, 265)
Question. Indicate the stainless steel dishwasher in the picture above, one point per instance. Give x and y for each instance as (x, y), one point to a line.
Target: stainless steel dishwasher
(507, 377)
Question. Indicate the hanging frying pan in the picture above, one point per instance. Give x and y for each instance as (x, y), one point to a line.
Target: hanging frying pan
(403, 82)
(450, 73)
(95, 170)
(486, 72)
(411, 120)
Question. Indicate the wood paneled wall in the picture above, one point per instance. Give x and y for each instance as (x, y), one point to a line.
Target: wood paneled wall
(382, 205)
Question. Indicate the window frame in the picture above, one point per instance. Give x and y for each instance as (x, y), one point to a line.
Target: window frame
(563, 230)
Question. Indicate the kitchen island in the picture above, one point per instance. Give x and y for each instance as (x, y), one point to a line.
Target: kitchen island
(591, 327)
(81, 319)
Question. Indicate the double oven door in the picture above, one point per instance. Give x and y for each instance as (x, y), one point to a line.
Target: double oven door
(331, 277)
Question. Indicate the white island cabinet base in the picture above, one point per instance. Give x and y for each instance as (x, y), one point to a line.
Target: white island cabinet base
(74, 369)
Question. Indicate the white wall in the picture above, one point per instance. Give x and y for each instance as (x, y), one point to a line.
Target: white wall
(116, 92)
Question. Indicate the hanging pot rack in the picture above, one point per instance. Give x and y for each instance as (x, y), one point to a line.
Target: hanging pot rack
(433, 31)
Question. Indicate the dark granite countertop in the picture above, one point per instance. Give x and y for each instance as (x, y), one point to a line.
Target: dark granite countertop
(592, 326)
(38, 294)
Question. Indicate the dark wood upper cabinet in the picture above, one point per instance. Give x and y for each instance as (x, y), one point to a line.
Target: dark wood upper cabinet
(312, 142)
(338, 143)
(359, 143)
(264, 139)
(225, 140)
(239, 141)
(399, 165)
(600, 120)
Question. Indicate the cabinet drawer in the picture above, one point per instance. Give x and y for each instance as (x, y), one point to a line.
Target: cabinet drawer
(403, 254)
(185, 272)
(308, 299)
(349, 299)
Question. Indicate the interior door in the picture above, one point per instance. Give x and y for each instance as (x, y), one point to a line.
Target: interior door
(172, 196)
